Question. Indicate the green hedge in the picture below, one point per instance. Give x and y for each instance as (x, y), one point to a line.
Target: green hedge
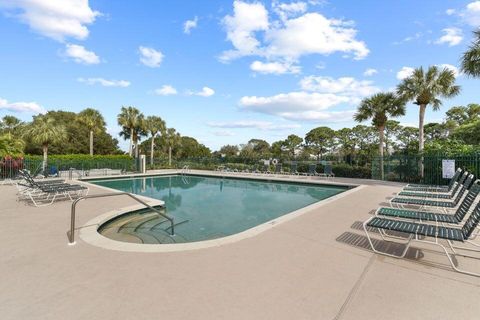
(85, 161)
(346, 171)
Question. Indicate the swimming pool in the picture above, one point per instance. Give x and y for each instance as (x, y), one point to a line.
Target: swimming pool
(207, 208)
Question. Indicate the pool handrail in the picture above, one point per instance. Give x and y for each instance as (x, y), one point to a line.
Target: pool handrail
(71, 233)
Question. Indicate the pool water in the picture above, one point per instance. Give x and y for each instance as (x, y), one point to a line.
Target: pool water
(206, 208)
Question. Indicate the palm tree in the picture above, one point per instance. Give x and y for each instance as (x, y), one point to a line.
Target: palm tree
(425, 88)
(470, 63)
(131, 119)
(172, 138)
(154, 125)
(379, 107)
(44, 130)
(93, 121)
(10, 146)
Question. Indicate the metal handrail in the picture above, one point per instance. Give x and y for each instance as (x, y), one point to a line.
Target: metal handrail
(71, 236)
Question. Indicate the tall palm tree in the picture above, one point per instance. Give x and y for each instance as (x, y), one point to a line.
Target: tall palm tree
(131, 119)
(44, 130)
(379, 108)
(426, 88)
(154, 125)
(93, 121)
(470, 62)
(172, 138)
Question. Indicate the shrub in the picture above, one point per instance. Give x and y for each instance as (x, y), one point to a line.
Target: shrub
(346, 171)
(85, 161)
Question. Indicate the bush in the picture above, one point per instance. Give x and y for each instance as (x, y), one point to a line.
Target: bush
(85, 161)
(346, 171)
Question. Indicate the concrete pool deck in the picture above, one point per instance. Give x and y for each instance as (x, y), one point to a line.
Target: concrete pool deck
(315, 266)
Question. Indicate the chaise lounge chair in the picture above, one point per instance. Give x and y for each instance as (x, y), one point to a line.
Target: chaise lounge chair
(438, 195)
(400, 202)
(426, 216)
(433, 188)
(420, 232)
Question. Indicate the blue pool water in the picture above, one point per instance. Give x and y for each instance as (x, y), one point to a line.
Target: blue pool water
(207, 207)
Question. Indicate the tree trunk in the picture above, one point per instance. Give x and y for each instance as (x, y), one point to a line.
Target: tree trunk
(380, 151)
(136, 149)
(130, 148)
(151, 150)
(45, 159)
(91, 142)
(169, 156)
(421, 119)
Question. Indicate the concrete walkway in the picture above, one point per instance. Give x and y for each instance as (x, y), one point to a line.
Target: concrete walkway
(316, 266)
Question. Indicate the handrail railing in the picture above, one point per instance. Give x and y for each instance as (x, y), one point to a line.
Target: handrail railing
(71, 236)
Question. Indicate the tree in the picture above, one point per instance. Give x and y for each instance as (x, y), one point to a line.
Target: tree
(292, 143)
(10, 146)
(470, 61)
(461, 114)
(426, 88)
(93, 121)
(379, 107)
(154, 125)
(131, 120)
(44, 130)
(468, 133)
(408, 136)
(191, 148)
(319, 139)
(172, 139)
(10, 124)
(392, 128)
(229, 150)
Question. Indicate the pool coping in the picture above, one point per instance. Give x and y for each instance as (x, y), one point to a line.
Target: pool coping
(89, 231)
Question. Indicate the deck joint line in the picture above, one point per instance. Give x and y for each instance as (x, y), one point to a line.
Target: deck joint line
(354, 290)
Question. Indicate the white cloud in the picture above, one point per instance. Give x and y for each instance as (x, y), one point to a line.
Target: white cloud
(450, 12)
(247, 19)
(274, 67)
(205, 92)
(303, 106)
(56, 19)
(405, 72)
(81, 55)
(21, 107)
(166, 90)
(346, 86)
(189, 25)
(250, 124)
(290, 38)
(104, 82)
(452, 37)
(370, 72)
(471, 14)
(455, 70)
(150, 57)
(223, 133)
(287, 10)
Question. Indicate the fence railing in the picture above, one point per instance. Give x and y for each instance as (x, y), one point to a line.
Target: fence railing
(340, 168)
(66, 168)
(405, 168)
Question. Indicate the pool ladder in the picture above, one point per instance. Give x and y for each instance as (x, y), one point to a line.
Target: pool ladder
(185, 170)
(71, 233)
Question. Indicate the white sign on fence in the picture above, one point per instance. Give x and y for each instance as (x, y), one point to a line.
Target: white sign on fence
(448, 169)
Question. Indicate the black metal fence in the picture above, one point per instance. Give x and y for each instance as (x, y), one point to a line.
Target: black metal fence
(406, 168)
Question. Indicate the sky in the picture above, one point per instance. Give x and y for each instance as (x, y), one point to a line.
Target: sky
(224, 72)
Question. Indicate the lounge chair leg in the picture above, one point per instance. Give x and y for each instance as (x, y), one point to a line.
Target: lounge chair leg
(407, 246)
(453, 264)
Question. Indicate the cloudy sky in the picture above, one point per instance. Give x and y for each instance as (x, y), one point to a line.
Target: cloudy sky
(226, 71)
